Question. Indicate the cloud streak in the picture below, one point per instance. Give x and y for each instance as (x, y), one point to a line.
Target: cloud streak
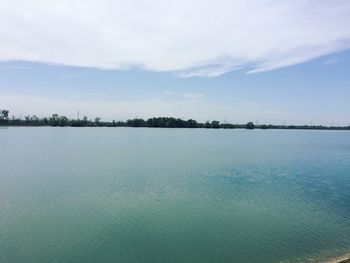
(191, 38)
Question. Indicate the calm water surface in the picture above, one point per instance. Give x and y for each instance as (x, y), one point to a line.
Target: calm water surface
(173, 195)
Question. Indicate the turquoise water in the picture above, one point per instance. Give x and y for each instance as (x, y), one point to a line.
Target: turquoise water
(173, 195)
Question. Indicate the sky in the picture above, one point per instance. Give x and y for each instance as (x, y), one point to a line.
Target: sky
(266, 61)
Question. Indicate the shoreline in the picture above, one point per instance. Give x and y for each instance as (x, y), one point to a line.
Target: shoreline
(155, 122)
(5, 126)
(341, 259)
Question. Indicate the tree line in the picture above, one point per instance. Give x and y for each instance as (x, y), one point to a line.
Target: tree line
(156, 122)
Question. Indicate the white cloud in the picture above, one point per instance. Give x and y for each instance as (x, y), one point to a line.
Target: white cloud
(187, 37)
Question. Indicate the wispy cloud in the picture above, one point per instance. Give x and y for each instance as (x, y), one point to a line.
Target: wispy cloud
(188, 37)
(330, 61)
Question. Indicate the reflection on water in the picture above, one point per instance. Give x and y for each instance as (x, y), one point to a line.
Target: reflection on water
(173, 195)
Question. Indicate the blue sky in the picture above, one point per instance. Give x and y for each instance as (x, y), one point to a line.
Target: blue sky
(288, 63)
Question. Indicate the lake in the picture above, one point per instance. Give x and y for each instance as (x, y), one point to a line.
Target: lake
(173, 195)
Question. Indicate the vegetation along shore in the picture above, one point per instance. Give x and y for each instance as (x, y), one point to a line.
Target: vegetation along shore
(155, 122)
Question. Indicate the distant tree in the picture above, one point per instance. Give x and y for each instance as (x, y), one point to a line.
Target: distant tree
(207, 125)
(250, 125)
(215, 124)
(136, 123)
(4, 115)
(34, 118)
(63, 121)
(191, 123)
(54, 120)
(45, 120)
(97, 121)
